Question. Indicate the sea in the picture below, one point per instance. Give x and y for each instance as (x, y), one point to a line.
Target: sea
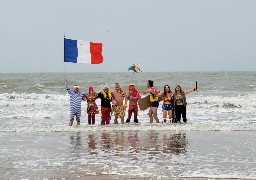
(217, 142)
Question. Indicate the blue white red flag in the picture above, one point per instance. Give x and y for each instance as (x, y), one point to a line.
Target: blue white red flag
(78, 51)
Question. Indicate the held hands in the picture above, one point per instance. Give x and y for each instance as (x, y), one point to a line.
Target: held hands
(113, 102)
(125, 106)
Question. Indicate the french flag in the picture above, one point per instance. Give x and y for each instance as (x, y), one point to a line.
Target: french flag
(78, 51)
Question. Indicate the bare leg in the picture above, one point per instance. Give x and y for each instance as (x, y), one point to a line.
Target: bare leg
(122, 120)
(70, 123)
(115, 120)
(154, 109)
(150, 113)
(170, 115)
(164, 116)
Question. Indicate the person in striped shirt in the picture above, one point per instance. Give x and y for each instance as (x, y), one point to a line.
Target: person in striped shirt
(75, 103)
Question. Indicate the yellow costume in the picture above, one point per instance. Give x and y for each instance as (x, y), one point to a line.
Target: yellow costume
(105, 94)
(119, 111)
(153, 98)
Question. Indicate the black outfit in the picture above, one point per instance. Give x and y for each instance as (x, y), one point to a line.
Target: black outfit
(180, 110)
(105, 102)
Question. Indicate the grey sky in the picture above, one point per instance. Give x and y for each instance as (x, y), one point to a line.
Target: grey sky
(160, 35)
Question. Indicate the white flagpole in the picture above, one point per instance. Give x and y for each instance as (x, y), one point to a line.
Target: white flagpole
(65, 73)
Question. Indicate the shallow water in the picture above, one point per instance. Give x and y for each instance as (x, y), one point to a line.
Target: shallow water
(151, 154)
(217, 142)
(39, 102)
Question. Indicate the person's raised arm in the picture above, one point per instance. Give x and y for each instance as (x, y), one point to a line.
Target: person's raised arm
(190, 90)
(66, 83)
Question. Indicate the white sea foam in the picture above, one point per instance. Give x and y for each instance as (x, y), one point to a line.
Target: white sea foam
(49, 113)
(142, 127)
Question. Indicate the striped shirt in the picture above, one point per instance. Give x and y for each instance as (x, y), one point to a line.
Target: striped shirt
(75, 100)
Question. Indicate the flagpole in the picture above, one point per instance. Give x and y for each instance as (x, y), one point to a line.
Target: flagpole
(64, 60)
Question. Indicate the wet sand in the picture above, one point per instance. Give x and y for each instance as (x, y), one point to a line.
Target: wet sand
(128, 155)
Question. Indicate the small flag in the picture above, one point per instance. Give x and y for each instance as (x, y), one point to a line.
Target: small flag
(78, 51)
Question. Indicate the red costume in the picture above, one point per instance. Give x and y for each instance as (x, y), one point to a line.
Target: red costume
(133, 108)
(92, 108)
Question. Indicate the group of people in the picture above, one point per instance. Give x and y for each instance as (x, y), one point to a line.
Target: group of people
(174, 103)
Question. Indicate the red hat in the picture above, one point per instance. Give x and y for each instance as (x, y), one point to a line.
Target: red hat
(91, 88)
(131, 87)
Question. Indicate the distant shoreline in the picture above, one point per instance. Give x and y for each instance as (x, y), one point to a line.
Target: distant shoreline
(125, 72)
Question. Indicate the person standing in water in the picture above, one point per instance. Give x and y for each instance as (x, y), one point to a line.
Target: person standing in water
(152, 91)
(75, 103)
(119, 107)
(180, 103)
(106, 97)
(168, 100)
(92, 108)
(133, 96)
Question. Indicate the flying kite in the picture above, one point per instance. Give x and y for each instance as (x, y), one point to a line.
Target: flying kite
(134, 68)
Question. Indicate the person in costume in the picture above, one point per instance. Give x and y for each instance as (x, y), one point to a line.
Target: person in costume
(119, 96)
(180, 103)
(168, 101)
(133, 96)
(75, 103)
(92, 107)
(106, 97)
(152, 91)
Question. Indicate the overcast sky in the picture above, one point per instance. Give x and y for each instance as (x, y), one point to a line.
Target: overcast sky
(159, 35)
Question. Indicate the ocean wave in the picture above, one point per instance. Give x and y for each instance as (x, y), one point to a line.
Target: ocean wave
(231, 105)
(3, 86)
(46, 108)
(180, 127)
(239, 102)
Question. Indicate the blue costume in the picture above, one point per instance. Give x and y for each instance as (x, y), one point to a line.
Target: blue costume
(75, 104)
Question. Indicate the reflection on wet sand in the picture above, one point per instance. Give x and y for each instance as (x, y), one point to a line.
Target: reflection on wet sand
(105, 142)
(174, 143)
(131, 152)
(91, 143)
(76, 144)
(153, 144)
(165, 143)
(133, 142)
(75, 140)
(119, 144)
